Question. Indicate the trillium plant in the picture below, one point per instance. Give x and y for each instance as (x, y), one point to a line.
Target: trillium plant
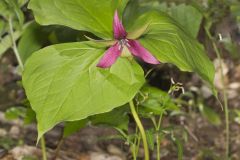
(96, 78)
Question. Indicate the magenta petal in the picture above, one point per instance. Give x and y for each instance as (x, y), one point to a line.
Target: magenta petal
(139, 51)
(118, 29)
(110, 56)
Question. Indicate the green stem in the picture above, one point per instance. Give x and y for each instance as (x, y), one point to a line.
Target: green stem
(141, 129)
(225, 99)
(159, 122)
(226, 110)
(158, 138)
(133, 148)
(138, 144)
(43, 147)
(135, 144)
(158, 147)
(14, 46)
(132, 145)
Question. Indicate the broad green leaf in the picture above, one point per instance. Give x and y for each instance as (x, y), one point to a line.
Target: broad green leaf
(94, 16)
(189, 17)
(156, 102)
(210, 114)
(171, 44)
(63, 83)
(64, 34)
(74, 126)
(117, 118)
(33, 38)
(186, 15)
(135, 8)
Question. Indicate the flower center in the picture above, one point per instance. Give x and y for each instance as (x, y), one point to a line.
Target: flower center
(123, 43)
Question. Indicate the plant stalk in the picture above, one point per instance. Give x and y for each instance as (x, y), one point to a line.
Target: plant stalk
(158, 147)
(14, 46)
(141, 130)
(43, 148)
(225, 99)
(133, 152)
(135, 144)
(158, 138)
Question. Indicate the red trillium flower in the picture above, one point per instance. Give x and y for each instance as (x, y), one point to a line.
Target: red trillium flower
(123, 43)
